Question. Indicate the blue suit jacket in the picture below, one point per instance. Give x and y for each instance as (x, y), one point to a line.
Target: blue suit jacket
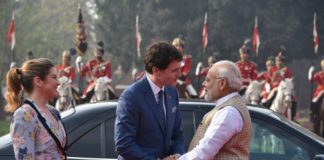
(140, 132)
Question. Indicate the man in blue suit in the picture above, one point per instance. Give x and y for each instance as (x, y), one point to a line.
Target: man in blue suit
(148, 122)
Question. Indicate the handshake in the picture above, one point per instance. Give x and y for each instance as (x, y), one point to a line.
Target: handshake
(172, 157)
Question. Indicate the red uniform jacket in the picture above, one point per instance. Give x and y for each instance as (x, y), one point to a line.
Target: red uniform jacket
(265, 76)
(319, 78)
(279, 74)
(91, 67)
(248, 71)
(185, 68)
(68, 71)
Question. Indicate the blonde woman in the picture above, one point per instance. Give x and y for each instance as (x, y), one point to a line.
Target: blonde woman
(36, 129)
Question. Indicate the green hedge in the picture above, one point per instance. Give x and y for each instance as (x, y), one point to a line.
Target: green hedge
(4, 127)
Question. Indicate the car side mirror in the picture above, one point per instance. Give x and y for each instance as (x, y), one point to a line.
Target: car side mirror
(319, 157)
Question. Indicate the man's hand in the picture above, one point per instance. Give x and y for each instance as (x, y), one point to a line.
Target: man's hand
(310, 72)
(198, 68)
(79, 63)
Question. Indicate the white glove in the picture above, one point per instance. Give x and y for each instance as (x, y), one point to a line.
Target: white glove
(182, 63)
(13, 64)
(78, 60)
(310, 72)
(79, 63)
(134, 72)
(180, 82)
(199, 66)
(282, 73)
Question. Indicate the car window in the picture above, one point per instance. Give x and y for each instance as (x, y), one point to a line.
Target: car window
(270, 142)
(187, 126)
(110, 145)
(199, 114)
(190, 122)
(88, 145)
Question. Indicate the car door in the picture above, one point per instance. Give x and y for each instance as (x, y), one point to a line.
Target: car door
(94, 138)
(271, 141)
(191, 114)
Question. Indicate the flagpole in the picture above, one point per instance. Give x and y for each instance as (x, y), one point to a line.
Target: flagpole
(315, 39)
(204, 38)
(11, 37)
(13, 47)
(80, 45)
(256, 38)
(13, 55)
(13, 40)
(138, 38)
(204, 41)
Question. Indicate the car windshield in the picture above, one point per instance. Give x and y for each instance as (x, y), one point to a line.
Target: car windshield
(285, 120)
(299, 127)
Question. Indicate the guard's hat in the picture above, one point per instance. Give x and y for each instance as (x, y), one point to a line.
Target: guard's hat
(100, 47)
(179, 41)
(244, 49)
(280, 57)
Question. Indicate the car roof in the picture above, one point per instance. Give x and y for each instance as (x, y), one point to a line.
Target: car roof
(86, 111)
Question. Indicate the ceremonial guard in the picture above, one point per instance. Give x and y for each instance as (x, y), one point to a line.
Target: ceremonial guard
(317, 98)
(247, 68)
(201, 72)
(65, 68)
(68, 70)
(30, 55)
(95, 68)
(278, 73)
(266, 78)
(179, 43)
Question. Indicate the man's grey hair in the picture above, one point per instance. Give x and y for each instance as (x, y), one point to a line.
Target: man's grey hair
(228, 70)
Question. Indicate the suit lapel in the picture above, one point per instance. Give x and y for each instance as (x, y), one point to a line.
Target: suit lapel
(152, 104)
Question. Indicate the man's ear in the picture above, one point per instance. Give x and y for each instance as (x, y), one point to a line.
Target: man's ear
(224, 84)
(155, 70)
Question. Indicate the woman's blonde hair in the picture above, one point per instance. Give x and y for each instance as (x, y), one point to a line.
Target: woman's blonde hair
(19, 79)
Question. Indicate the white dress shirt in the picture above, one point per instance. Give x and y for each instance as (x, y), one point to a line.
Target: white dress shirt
(156, 89)
(225, 123)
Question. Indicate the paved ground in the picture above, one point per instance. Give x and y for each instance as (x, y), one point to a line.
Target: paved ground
(302, 118)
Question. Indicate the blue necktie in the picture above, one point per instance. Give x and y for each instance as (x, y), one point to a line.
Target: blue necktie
(160, 103)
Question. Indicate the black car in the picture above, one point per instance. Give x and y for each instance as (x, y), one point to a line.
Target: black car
(90, 129)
